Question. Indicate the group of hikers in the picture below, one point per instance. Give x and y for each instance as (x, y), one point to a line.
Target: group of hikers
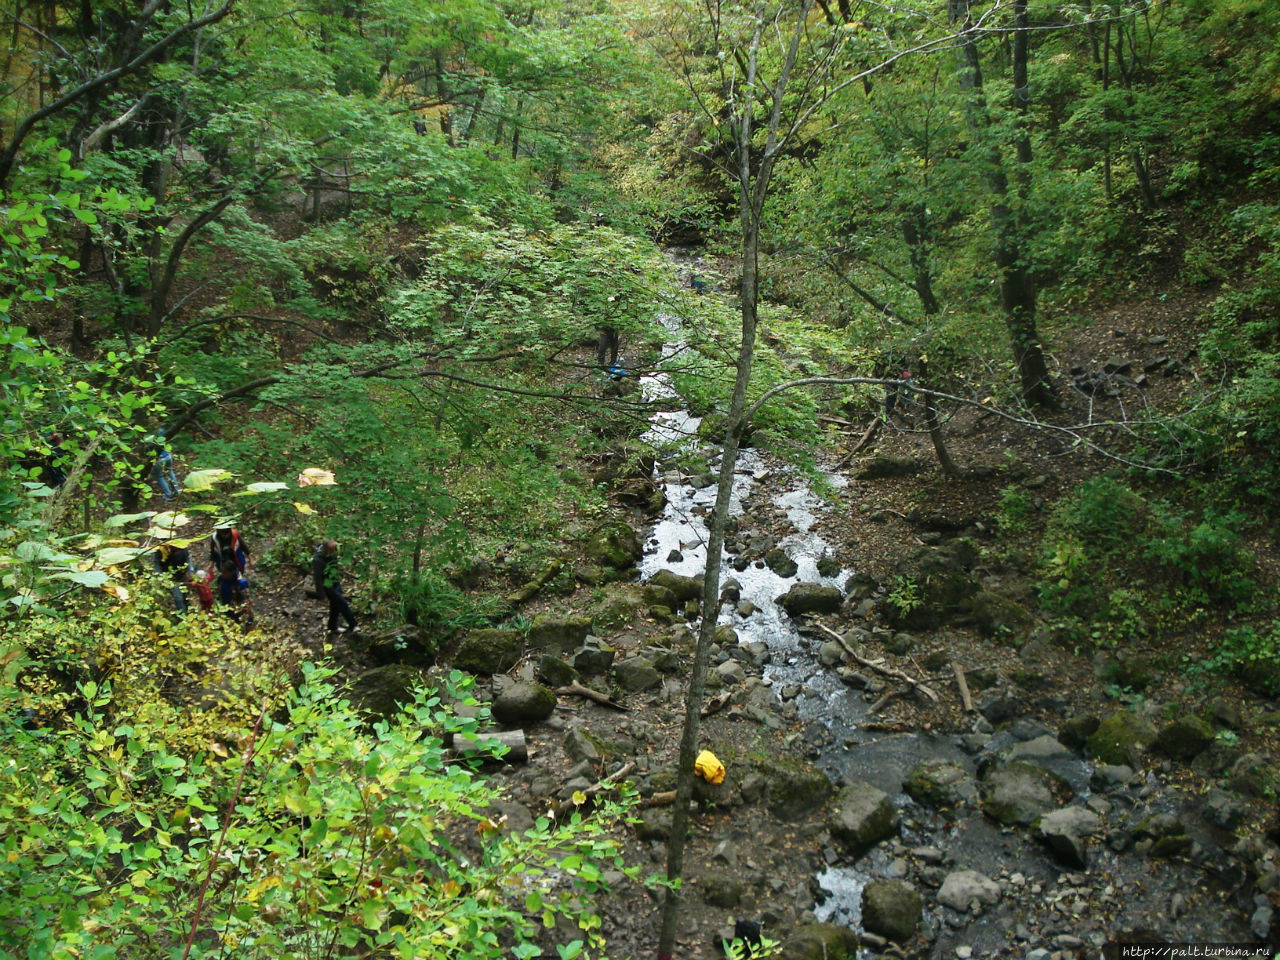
(224, 583)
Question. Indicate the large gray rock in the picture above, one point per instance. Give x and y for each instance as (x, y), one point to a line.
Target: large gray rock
(522, 704)
(810, 598)
(1121, 738)
(580, 744)
(862, 816)
(489, 651)
(960, 890)
(1064, 832)
(820, 941)
(681, 587)
(891, 908)
(796, 789)
(654, 824)
(593, 660)
(637, 674)
(1044, 751)
(557, 633)
(1018, 793)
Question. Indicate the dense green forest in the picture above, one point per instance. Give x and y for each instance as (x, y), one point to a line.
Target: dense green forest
(348, 263)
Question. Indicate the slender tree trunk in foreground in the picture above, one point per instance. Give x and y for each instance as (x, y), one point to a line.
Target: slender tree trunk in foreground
(753, 188)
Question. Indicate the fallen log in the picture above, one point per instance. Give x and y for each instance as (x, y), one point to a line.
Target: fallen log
(883, 702)
(866, 438)
(879, 667)
(963, 686)
(663, 799)
(576, 689)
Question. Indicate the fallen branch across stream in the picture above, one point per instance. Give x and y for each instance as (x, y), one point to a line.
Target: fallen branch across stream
(880, 667)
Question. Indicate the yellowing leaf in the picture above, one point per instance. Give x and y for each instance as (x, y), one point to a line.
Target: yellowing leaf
(302, 507)
(579, 798)
(316, 477)
(117, 591)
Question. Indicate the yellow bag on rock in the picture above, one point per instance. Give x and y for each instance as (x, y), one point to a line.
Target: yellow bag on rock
(709, 767)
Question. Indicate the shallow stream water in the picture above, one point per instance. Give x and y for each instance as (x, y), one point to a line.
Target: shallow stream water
(845, 750)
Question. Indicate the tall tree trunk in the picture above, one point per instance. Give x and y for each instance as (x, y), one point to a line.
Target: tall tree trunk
(1017, 288)
(752, 185)
(915, 233)
(445, 97)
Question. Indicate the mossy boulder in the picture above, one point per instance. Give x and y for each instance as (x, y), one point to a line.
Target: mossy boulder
(933, 587)
(1184, 739)
(820, 941)
(616, 608)
(891, 908)
(1120, 738)
(554, 672)
(636, 674)
(796, 789)
(1018, 793)
(1076, 731)
(862, 816)
(615, 545)
(810, 598)
(523, 704)
(558, 632)
(489, 651)
(681, 587)
(781, 564)
(938, 784)
(995, 614)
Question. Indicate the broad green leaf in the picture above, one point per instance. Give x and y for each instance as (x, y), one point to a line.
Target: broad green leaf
(124, 519)
(262, 486)
(86, 578)
(113, 556)
(202, 480)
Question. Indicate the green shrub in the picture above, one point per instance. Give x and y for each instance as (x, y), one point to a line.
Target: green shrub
(305, 835)
(1015, 509)
(1108, 554)
(1251, 653)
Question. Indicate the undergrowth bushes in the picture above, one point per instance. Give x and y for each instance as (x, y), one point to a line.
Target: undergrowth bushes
(261, 820)
(1124, 565)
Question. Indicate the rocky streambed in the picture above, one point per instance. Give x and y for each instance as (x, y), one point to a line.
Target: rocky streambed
(868, 808)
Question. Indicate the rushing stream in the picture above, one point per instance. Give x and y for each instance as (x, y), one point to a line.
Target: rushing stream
(845, 750)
